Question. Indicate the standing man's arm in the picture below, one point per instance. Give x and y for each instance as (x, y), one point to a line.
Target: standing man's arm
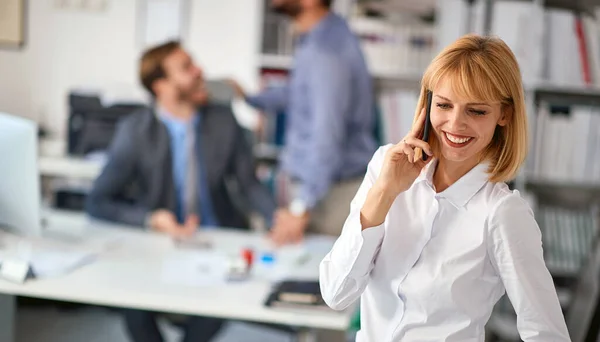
(272, 100)
(329, 89)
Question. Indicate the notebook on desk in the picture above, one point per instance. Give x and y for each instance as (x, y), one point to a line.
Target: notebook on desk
(297, 294)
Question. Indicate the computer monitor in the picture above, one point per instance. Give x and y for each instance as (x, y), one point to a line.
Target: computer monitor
(20, 193)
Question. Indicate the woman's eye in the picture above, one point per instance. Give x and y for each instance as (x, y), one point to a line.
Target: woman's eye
(443, 105)
(478, 112)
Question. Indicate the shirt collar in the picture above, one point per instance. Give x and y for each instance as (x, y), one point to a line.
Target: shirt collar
(173, 121)
(463, 189)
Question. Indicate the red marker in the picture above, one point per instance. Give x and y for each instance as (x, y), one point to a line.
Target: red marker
(248, 255)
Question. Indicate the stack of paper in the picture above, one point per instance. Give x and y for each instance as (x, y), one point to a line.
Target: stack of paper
(52, 263)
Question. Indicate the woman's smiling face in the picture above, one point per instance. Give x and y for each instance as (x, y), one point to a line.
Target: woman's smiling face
(464, 127)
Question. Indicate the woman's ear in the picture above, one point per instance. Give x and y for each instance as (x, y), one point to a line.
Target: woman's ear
(505, 114)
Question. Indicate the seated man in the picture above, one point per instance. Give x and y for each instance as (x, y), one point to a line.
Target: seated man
(169, 165)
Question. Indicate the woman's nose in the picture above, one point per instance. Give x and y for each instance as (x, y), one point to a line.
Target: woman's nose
(457, 119)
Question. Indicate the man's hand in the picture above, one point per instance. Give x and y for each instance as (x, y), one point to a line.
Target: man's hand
(239, 91)
(288, 228)
(165, 222)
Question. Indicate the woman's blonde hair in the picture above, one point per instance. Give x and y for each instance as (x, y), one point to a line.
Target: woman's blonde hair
(486, 70)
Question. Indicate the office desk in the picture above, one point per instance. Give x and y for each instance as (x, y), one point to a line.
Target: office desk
(129, 275)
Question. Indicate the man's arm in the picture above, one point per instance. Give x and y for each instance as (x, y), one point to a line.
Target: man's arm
(104, 201)
(330, 91)
(272, 99)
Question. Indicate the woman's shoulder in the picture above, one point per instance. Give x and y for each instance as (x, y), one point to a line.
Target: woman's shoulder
(500, 199)
(508, 210)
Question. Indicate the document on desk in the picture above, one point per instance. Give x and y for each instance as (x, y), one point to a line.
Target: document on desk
(52, 263)
(46, 259)
(195, 268)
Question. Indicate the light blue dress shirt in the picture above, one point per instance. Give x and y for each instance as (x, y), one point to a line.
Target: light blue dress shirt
(178, 133)
(330, 110)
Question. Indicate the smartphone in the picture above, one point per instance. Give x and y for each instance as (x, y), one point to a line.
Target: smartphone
(427, 128)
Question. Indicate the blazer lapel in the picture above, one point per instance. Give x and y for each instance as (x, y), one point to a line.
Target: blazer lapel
(208, 137)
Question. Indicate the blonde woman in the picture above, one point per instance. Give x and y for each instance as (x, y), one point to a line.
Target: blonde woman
(431, 246)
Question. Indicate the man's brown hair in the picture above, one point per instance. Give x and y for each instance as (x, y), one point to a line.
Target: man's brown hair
(327, 3)
(151, 64)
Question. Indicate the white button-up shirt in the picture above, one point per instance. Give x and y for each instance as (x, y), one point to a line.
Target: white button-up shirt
(435, 268)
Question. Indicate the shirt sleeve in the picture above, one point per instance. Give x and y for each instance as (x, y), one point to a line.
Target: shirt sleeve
(330, 91)
(345, 270)
(516, 252)
(272, 100)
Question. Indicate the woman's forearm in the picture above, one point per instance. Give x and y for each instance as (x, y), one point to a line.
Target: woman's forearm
(376, 207)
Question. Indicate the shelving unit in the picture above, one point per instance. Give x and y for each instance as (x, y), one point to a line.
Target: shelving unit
(589, 96)
(273, 61)
(574, 5)
(564, 195)
(557, 95)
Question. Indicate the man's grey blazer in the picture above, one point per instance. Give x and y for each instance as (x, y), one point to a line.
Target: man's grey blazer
(138, 177)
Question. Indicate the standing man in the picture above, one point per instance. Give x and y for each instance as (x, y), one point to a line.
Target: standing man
(330, 121)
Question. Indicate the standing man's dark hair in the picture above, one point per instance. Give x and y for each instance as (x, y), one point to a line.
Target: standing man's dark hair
(301, 8)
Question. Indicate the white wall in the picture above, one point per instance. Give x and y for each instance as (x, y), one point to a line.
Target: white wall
(67, 48)
(225, 40)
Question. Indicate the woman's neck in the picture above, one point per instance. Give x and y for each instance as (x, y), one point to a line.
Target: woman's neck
(448, 172)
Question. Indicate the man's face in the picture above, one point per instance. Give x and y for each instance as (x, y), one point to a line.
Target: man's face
(184, 78)
(290, 8)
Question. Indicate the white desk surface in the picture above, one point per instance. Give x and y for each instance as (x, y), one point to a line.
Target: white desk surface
(129, 275)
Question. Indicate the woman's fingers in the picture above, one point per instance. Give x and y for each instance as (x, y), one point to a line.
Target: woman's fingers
(412, 147)
(419, 124)
(423, 145)
(397, 149)
(409, 151)
(422, 163)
